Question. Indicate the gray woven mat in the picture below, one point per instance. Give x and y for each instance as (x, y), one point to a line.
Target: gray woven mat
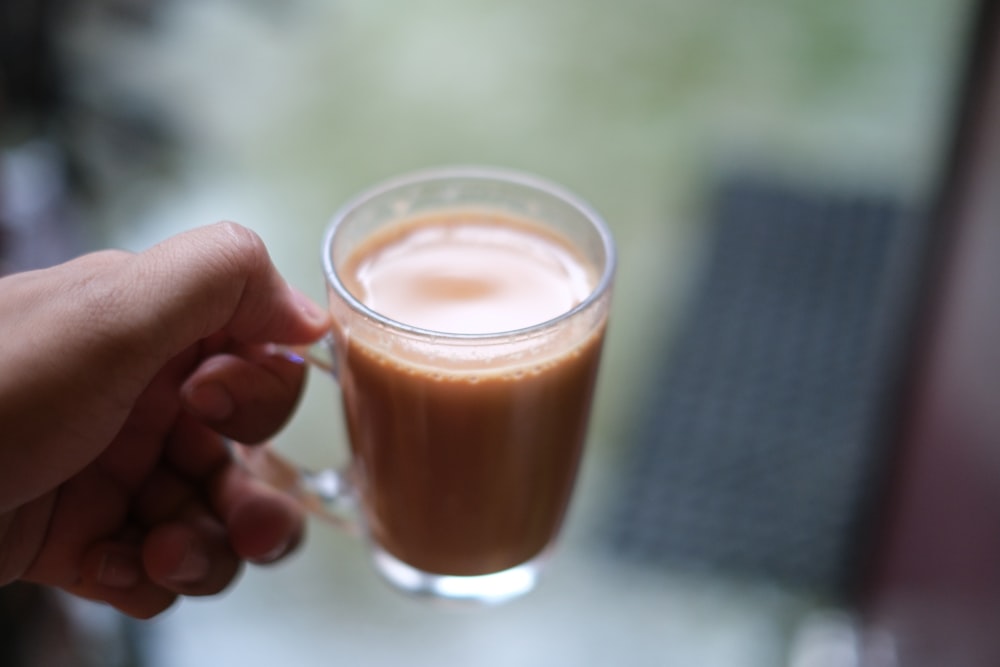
(756, 449)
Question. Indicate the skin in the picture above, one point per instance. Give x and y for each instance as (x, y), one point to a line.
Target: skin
(121, 377)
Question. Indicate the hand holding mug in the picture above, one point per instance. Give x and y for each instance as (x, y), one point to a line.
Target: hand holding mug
(467, 309)
(121, 377)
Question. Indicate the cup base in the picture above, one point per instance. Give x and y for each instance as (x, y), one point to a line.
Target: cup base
(484, 589)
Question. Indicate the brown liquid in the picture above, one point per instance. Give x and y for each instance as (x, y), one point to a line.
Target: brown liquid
(467, 471)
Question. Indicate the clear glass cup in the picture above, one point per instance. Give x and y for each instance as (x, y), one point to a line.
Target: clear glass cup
(464, 447)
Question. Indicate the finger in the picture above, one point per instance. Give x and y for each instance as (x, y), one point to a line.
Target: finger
(186, 548)
(264, 524)
(258, 523)
(190, 556)
(112, 572)
(246, 397)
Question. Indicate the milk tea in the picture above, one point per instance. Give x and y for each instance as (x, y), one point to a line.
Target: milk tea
(461, 469)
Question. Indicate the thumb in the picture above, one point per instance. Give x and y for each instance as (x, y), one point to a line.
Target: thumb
(212, 279)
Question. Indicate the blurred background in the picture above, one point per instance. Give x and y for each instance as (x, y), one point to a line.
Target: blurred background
(768, 168)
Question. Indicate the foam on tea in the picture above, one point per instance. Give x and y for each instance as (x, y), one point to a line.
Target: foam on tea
(467, 272)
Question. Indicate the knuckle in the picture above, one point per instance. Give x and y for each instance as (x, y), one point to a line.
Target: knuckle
(240, 246)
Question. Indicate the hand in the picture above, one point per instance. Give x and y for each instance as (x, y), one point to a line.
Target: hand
(121, 375)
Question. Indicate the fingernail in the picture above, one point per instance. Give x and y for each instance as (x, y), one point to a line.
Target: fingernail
(117, 571)
(212, 401)
(312, 312)
(274, 554)
(193, 566)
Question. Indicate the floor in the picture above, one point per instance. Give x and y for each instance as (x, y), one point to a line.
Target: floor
(278, 112)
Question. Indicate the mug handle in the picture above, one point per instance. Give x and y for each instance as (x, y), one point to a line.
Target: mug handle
(325, 494)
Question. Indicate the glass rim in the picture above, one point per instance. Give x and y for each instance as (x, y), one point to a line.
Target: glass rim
(480, 173)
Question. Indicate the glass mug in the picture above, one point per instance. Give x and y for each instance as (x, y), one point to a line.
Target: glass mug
(464, 447)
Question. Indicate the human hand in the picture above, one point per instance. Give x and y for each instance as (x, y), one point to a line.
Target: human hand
(121, 375)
